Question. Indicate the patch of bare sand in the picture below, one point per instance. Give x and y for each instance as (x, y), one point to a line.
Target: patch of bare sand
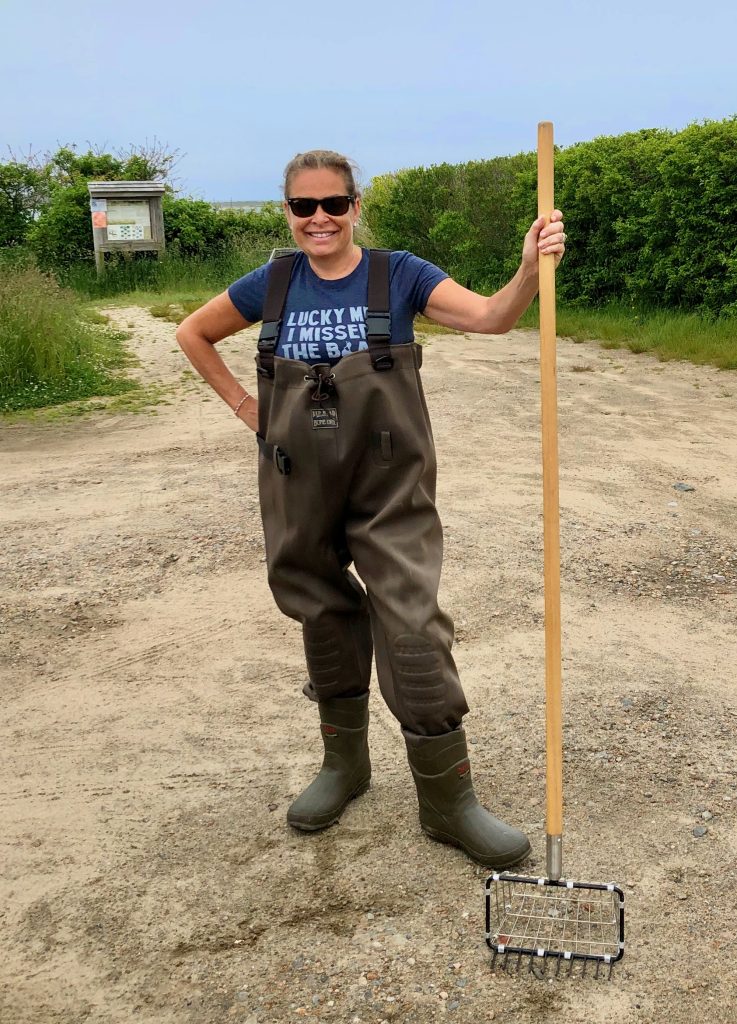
(153, 732)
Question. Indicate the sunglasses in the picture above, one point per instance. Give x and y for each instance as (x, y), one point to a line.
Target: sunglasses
(334, 206)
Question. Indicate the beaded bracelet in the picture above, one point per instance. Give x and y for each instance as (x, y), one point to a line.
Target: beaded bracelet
(235, 411)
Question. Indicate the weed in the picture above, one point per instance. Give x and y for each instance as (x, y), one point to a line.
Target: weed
(52, 348)
(175, 312)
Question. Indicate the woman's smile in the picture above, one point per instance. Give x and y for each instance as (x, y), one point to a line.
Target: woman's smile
(324, 237)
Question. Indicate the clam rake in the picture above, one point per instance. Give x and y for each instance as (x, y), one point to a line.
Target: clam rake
(552, 919)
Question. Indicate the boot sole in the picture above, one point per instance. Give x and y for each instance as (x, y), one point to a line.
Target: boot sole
(316, 826)
(496, 863)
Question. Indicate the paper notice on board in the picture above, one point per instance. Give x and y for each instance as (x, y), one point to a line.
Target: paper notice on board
(125, 232)
(99, 219)
(129, 212)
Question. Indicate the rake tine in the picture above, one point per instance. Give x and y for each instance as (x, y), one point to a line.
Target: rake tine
(598, 965)
(494, 955)
(585, 965)
(557, 965)
(570, 967)
(519, 961)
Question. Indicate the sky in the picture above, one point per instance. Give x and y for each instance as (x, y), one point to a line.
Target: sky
(237, 88)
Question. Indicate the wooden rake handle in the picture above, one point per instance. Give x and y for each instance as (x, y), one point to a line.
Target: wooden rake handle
(551, 516)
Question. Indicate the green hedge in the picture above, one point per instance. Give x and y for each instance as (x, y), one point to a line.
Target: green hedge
(650, 216)
(456, 215)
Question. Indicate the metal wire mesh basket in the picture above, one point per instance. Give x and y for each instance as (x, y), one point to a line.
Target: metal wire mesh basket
(564, 920)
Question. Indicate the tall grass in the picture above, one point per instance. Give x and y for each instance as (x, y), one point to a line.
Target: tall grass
(174, 273)
(666, 334)
(50, 350)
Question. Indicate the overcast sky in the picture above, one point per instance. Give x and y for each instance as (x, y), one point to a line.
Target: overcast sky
(239, 87)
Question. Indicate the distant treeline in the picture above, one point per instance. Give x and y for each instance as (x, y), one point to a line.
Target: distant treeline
(650, 217)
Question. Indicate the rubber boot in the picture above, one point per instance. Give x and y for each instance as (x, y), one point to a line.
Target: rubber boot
(346, 769)
(449, 810)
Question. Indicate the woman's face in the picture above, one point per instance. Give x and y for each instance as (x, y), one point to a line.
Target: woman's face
(321, 235)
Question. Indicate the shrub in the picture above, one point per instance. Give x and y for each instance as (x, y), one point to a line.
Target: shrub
(23, 192)
(62, 235)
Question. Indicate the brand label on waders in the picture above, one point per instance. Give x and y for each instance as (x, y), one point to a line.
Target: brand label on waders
(323, 419)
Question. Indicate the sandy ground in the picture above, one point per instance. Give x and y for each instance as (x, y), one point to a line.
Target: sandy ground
(153, 731)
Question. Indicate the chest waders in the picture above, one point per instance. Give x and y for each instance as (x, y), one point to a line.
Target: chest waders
(347, 474)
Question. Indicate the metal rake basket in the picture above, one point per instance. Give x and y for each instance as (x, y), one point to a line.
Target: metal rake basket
(545, 919)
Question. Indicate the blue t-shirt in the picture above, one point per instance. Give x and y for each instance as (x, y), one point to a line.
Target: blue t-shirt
(325, 320)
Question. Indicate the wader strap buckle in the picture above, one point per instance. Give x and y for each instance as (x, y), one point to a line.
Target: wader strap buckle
(280, 274)
(275, 454)
(382, 362)
(378, 315)
(266, 345)
(379, 326)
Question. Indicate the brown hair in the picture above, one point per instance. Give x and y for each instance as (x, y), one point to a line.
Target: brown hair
(316, 159)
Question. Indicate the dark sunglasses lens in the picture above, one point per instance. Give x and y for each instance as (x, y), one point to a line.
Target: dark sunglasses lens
(335, 206)
(303, 207)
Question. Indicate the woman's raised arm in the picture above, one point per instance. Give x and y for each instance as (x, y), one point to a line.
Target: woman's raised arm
(452, 305)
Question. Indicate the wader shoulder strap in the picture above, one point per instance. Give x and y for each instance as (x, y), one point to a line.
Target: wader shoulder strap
(378, 316)
(276, 296)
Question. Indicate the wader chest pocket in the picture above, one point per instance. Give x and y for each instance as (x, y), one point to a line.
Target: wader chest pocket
(381, 447)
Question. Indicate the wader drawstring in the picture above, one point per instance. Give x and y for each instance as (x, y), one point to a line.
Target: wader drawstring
(324, 381)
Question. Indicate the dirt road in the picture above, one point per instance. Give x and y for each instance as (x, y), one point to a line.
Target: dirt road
(153, 731)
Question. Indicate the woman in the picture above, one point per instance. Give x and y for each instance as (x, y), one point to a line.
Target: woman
(347, 473)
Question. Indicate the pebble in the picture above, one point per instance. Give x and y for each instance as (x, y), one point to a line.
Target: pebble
(241, 997)
(707, 815)
(453, 1004)
(683, 487)
(700, 831)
